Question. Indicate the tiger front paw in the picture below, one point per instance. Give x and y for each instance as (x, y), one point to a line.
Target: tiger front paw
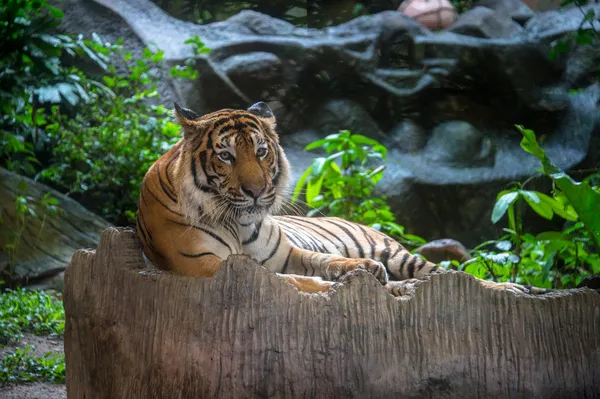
(338, 267)
(515, 288)
(403, 288)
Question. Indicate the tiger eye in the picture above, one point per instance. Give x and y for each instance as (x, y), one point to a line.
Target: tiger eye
(261, 152)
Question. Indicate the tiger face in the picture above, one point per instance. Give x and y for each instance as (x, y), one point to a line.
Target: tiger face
(232, 164)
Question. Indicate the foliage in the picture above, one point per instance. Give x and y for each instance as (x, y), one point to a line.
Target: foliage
(37, 312)
(552, 259)
(462, 5)
(342, 183)
(103, 152)
(20, 366)
(32, 76)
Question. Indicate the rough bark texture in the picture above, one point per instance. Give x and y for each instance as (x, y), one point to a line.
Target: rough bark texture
(136, 333)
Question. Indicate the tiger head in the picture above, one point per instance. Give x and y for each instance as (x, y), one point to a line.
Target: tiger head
(231, 164)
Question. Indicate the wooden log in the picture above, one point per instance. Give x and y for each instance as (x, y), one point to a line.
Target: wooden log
(245, 333)
(46, 241)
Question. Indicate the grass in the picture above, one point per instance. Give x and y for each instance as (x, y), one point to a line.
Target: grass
(39, 313)
(21, 366)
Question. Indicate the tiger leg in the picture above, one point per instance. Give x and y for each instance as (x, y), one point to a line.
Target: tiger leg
(310, 285)
(332, 267)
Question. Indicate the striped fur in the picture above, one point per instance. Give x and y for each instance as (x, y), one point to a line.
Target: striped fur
(199, 205)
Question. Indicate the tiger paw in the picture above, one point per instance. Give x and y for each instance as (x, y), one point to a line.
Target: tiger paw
(338, 267)
(515, 288)
(403, 288)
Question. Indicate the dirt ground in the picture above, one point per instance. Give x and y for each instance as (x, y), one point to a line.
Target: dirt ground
(36, 390)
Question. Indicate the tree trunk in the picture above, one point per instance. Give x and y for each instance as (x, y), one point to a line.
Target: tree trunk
(134, 332)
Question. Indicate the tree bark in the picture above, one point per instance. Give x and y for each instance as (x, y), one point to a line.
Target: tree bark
(135, 332)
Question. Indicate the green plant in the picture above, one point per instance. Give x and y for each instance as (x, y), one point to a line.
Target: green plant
(37, 312)
(100, 155)
(552, 259)
(342, 183)
(20, 366)
(462, 5)
(33, 76)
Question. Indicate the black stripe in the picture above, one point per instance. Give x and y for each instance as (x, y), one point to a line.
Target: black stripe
(210, 233)
(204, 164)
(274, 251)
(385, 254)
(398, 249)
(305, 243)
(165, 189)
(361, 253)
(420, 267)
(411, 267)
(404, 257)
(300, 220)
(196, 255)
(254, 235)
(320, 242)
(369, 240)
(287, 259)
(175, 156)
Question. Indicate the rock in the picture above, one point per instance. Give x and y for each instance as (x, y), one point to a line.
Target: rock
(407, 136)
(433, 14)
(460, 144)
(515, 9)
(485, 22)
(548, 26)
(342, 114)
(443, 250)
(592, 282)
(46, 241)
(375, 72)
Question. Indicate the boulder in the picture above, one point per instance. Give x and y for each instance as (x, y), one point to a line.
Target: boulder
(40, 246)
(375, 72)
(516, 9)
(487, 23)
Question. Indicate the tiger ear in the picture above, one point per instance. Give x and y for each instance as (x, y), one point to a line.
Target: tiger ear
(262, 110)
(189, 121)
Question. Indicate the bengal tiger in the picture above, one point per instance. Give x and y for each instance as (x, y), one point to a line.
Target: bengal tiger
(216, 192)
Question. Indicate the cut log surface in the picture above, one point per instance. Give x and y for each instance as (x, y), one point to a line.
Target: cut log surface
(47, 241)
(245, 333)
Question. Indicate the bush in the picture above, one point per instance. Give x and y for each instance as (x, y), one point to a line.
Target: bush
(552, 259)
(32, 77)
(101, 154)
(342, 183)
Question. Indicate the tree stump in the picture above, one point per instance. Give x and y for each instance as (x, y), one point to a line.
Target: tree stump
(132, 332)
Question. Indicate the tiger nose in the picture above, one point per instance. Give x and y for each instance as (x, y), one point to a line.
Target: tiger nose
(253, 191)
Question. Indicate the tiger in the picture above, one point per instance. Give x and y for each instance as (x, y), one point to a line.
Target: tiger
(218, 191)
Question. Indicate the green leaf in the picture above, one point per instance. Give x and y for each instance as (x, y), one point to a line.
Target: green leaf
(300, 184)
(313, 189)
(502, 205)
(541, 208)
(584, 199)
